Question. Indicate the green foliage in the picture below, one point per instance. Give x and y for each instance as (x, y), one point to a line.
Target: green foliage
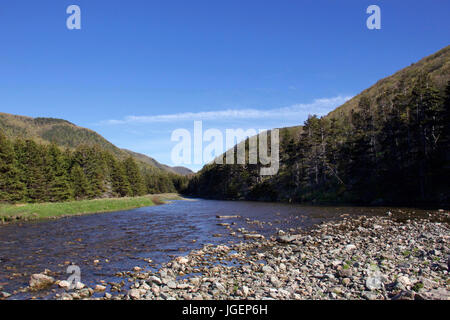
(32, 172)
(80, 184)
(161, 182)
(32, 169)
(134, 177)
(58, 179)
(68, 136)
(11, 187)
(92, 161)
(119, 181)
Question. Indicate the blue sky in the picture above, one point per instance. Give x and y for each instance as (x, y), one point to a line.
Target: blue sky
(137, 70)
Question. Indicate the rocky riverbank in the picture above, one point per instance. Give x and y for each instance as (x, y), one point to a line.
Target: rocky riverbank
(397, 256)
(353, 258)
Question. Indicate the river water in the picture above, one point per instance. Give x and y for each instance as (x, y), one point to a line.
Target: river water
(125, 239)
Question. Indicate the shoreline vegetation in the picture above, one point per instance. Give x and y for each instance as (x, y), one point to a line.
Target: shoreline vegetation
(52, 210)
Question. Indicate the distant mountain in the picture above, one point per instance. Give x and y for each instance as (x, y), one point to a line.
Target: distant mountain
(183, 171)
(388, 144)
(68, 135)
(148, 160)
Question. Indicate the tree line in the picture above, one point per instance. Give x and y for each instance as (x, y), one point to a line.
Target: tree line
(33, 172)
(394, 148)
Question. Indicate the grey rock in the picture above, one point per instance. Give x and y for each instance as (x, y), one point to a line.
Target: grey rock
(134, 294)
(345, 273)
(287, 238)
(172, 284)
(374, 283)
(155, 279)
(369, 295)
(267, 269)
(404, 295)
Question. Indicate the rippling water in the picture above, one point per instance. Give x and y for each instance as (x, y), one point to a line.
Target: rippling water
(122, 240)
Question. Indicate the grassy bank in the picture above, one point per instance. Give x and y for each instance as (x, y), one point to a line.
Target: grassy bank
(33, 211)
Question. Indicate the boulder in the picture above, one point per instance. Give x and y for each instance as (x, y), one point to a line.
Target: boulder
(155, 280)
(403, 280)
(172, 284)
(374, 283)
(64, 284)
(288, 239)
(40, 281)
(134, 294)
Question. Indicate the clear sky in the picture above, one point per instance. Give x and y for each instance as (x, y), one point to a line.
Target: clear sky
(137, 70)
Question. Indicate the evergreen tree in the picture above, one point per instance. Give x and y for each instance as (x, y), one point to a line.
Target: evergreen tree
(91, 160)
(444, 120)
(11, 188)
(361, 166)
(119, 180)
(80, 183)
(441, 160)
(32, 159)
(424, 106)
(59, 186)
(134, 177)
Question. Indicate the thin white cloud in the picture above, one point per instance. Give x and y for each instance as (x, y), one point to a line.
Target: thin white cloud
(319, 107)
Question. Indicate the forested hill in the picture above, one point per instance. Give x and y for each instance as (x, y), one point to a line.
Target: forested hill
(68, 135)
(52, 160)
(435, 66)
(388, 145)
(37, 172)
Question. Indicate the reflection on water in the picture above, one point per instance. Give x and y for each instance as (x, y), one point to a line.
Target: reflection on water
(122, 240)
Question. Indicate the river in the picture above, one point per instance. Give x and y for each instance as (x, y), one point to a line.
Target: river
(122, 240)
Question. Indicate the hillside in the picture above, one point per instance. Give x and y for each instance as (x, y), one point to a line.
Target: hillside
(152, 162)
(389, 144)
(68, 135)
(436, 66)
(183, 171)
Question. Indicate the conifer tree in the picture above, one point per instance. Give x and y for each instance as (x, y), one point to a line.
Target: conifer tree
(424, 105)
(91, 160)
(134, 177)
(32, 160)
(59, 186)
(119, 180)
(11, 188)
(80, 183)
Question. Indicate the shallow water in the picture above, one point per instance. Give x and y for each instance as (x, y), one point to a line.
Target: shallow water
(125, 239)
